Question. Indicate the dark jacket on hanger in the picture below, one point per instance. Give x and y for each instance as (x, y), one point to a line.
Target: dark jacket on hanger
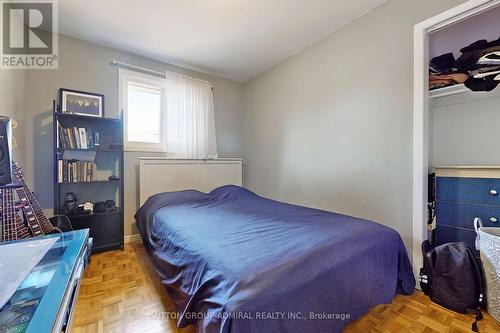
(484, 84)
(468, 61)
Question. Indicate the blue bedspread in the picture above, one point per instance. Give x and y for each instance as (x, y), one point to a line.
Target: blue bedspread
(236, 262)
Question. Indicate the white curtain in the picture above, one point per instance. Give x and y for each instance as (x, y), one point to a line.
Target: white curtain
(190, 117)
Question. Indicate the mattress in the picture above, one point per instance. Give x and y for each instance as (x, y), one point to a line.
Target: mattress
(233, 261)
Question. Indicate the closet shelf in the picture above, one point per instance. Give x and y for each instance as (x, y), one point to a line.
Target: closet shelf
(448, 91)
(458, 94)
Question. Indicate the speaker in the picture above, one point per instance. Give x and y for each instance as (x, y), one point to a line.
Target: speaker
(5, 150)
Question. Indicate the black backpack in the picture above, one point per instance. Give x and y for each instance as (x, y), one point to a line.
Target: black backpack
(453, 278)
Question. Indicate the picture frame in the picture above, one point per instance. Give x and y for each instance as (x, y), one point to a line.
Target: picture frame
(81, 103)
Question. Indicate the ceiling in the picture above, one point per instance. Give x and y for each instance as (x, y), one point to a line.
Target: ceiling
(233, 39)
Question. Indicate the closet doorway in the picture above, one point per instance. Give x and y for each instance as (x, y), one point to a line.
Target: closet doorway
(441, 34)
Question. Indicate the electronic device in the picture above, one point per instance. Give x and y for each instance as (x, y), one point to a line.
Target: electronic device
(5, 150)
(70, 203)
(105, 206)
(88, 207)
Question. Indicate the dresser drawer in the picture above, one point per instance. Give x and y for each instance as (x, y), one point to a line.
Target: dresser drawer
(445, 234)
(471, 190)
(463, 215)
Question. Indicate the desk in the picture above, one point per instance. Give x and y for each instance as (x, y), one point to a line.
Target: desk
(45, 300)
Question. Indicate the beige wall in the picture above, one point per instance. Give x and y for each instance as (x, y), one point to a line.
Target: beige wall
(331, 127)
(12, 86)
(85, 66)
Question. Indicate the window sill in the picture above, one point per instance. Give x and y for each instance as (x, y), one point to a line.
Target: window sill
(144, 149)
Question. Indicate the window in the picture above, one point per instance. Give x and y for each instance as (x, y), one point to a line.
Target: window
(182, 125)
(143, 104)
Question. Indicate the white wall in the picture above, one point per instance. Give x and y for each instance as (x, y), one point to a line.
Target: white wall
(466, 133)
(453, 38)
(85, 66)
(12, 87)
(331, 127)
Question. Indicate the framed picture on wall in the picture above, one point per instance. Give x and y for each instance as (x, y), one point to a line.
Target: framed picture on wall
(81, 103)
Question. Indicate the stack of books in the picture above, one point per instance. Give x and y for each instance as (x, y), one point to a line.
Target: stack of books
(78, 138)
(71, 171)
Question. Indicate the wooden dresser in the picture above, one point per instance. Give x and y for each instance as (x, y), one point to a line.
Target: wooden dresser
(462, 194)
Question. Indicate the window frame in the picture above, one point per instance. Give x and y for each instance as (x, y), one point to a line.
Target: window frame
(126, 77)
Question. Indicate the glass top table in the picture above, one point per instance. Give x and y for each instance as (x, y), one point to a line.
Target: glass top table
(43, 302)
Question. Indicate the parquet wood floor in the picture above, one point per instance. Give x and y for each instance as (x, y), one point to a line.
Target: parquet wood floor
(121, 293)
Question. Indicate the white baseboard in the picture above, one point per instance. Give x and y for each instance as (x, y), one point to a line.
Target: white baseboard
(133, 238)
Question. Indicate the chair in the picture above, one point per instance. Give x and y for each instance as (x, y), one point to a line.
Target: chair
(61, 222)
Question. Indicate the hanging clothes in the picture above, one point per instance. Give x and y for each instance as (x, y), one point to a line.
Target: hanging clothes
(477, 59)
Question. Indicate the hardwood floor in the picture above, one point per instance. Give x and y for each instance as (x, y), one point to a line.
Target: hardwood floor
(121, 292)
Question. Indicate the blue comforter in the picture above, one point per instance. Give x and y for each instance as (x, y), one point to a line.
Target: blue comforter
(236, 262)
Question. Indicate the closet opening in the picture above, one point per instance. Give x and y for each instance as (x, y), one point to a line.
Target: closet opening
(456, 155)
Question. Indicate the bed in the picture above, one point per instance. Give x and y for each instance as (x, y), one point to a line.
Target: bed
(233, 261)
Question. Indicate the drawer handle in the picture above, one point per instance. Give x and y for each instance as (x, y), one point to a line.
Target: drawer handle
(493, 220)
(493, 192)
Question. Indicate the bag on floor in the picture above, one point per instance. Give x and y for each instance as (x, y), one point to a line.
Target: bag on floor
(454, 278)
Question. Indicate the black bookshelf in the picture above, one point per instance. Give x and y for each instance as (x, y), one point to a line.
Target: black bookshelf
(93, 183)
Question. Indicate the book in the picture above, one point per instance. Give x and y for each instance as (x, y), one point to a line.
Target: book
(65, 171)
(66, 143)
(70, 138)
(76, 171)
(60, 171)
(83, 138)
(77, 138)
(86, 171)
(60, 137)
(97, 143)
(70, 172)
(90, 136)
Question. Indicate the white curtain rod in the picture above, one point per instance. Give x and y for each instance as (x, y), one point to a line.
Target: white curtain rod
(137, 68)
(117, 63)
